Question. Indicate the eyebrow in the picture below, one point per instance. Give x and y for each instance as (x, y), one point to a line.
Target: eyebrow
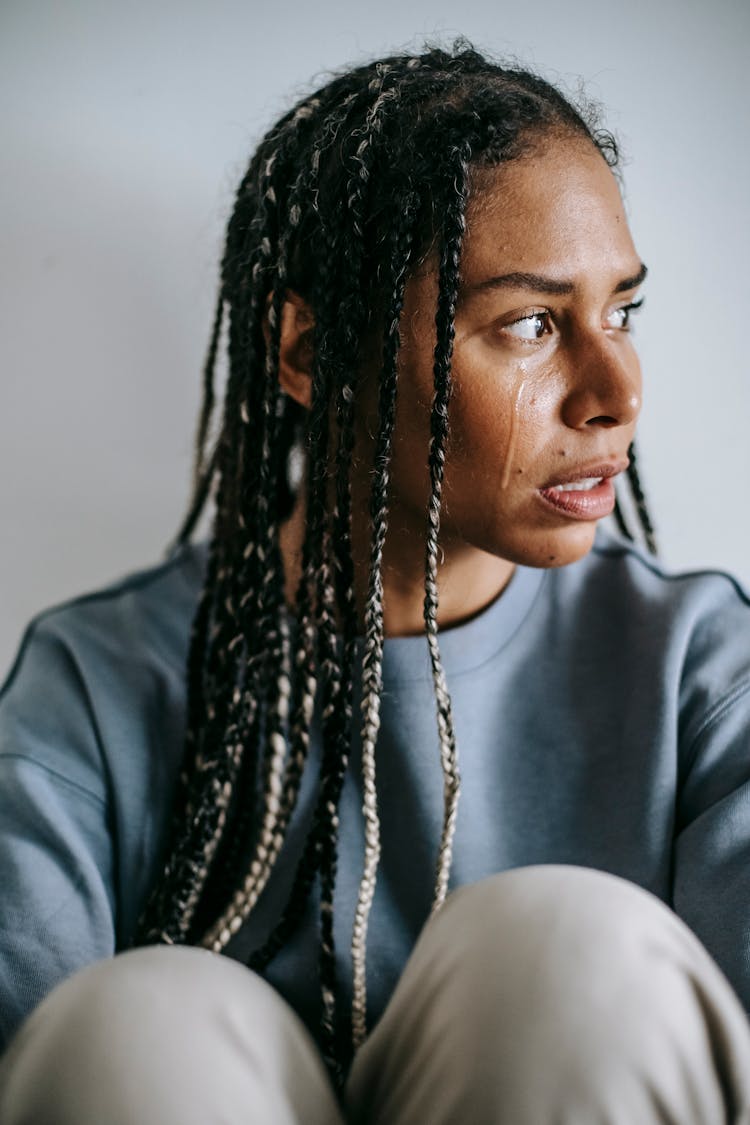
(541, 284)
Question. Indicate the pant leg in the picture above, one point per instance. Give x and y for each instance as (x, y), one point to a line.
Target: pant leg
(556, 996)
(164, 1036)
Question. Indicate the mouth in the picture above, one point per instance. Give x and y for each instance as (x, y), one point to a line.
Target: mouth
(584, 485)
(585, 494)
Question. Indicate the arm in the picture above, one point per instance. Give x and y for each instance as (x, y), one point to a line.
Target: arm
(56, 848)
(712, 846)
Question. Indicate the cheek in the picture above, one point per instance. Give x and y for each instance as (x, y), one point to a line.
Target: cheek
(535, 423)
(500, 426)
(410, 474)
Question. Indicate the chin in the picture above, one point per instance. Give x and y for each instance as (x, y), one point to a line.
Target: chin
(556, 547)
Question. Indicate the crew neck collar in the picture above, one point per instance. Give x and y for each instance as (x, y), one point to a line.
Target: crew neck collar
(465, 647)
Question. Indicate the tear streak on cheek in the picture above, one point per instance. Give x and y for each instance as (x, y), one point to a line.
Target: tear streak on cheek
(513, 435)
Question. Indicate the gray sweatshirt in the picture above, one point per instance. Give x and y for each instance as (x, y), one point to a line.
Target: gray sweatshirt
(602, 713)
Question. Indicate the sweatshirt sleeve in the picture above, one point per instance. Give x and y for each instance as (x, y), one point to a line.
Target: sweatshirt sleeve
(56, 848)
(711, 880)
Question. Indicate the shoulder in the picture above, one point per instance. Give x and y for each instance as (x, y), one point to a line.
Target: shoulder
(690, 629)
(630, 573)
(148, 611)
(621, 580)
(101, 674)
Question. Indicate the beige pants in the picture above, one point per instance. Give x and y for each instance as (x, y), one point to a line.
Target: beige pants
(543, 995)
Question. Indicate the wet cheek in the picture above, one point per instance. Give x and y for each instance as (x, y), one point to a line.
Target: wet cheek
(503, 438)
(539, 412)
(521, 463)
(522, 403)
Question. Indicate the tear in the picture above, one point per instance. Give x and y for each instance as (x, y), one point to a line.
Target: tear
(515, 422)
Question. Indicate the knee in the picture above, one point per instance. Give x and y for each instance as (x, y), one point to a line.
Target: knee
(550, 918)
(126, 1007)
(549, 945)
(537, 894)
(156, 1027)
(554, 993)
(151, 989)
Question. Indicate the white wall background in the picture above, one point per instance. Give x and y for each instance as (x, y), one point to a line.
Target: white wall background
(125, 127)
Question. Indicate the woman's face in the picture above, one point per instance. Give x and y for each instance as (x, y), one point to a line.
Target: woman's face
(546, 381)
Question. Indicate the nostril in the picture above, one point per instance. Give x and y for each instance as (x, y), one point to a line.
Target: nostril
(602, 420)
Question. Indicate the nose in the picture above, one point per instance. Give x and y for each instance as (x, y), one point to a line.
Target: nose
(604, 386)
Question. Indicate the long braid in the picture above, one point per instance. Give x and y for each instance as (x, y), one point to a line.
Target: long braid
(444, 327)
(204, 467)
(262, 574)
(267, 609)
(323, 851)
(160, 920)
(621, 522)
(243, 341)
(307, 663)
(187, 860)
(317, 579)
(218, 755)
(223, 741)
(351, 316)
(644, 516)
(400, 254)
(386, 87)
(207, 408)
(262, 603)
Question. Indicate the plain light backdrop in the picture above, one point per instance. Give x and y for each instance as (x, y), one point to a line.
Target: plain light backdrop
(124, 131)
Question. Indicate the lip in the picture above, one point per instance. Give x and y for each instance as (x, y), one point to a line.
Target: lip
(603, 469)
(595, 503)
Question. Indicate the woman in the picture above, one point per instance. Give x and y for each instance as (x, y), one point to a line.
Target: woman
(428, 282)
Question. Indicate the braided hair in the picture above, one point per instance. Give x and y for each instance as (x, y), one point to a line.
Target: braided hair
(343, 197)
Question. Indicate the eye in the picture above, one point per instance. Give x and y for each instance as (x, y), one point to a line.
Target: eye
(620, 318)
(530, 327)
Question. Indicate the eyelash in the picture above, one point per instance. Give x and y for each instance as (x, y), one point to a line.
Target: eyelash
(544, 314)
(631, 308)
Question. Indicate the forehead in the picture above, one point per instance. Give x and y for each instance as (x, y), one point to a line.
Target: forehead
(556, 210)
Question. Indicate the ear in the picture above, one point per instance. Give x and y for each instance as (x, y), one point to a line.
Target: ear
(295, 347)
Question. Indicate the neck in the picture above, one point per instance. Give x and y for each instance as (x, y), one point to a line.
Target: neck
(468, 579)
